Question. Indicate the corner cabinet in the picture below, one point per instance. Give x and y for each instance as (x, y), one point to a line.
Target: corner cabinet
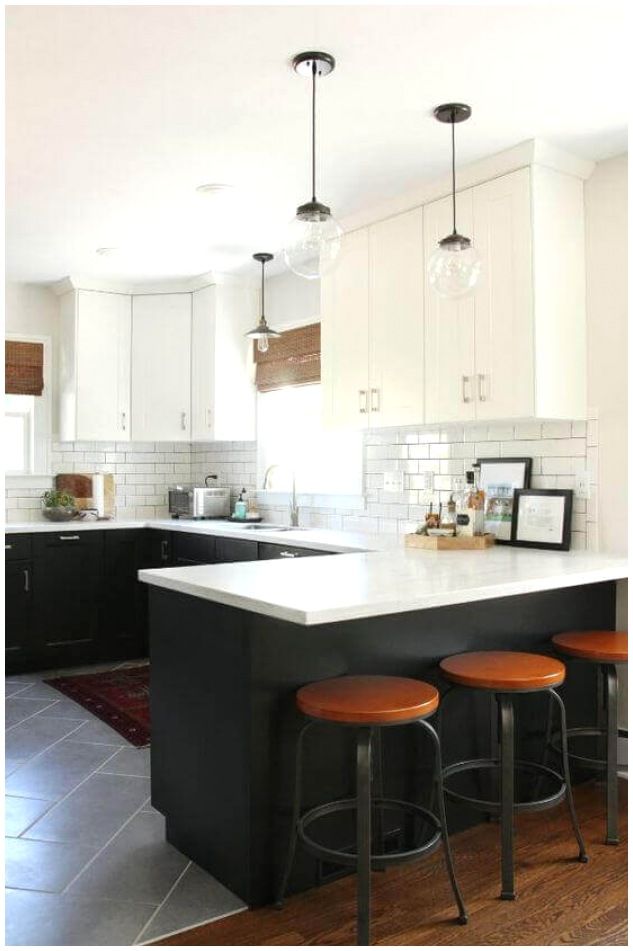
(161, 367)
(94, 365)
(372, 324)
(516, 348)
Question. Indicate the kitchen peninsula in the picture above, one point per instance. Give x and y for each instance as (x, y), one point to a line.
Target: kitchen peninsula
(229, 645)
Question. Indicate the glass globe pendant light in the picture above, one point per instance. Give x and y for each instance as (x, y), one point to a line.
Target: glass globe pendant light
(455, 266)
(262, 332)
(313, 240)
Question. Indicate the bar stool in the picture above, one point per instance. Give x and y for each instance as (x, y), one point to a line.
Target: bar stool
(605, 649)
(367, 704)
(505, 674)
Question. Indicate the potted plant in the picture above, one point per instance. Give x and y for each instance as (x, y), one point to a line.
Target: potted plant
(58, 506)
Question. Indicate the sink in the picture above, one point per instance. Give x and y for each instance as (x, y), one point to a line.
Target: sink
(265, 527)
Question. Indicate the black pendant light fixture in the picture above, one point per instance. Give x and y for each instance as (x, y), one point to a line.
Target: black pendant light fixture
(455, 266)
(262, 332)
(314, 236)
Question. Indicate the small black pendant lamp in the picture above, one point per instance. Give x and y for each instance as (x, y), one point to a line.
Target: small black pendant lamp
(455, 266)
(262, 332)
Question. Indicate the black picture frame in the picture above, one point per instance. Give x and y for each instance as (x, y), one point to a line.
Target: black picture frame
(502, 461)
(564, 543)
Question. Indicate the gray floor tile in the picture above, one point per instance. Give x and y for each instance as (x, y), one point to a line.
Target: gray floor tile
(129, 762)
(65, 707)
(196, 898)
(57, 771)
(14, 686)
(96, 731)
(34, 918)
(20, 813)
(17, 709)
(32, 737)
(94, 812)
(40, 691)
(10, 766)
(43, 866)
(138, 865)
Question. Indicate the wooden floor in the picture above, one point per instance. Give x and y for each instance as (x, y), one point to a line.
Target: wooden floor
(559, 900)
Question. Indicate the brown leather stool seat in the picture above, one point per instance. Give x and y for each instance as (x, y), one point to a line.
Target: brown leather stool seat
(602, 647)
(369, 700)
(605, 649)
(503, 670)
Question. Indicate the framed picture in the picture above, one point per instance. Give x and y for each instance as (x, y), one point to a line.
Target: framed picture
(499, 478)
(542, 518)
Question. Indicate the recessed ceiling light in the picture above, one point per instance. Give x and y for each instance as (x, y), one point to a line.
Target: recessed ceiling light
(104, 252)
(212, 188)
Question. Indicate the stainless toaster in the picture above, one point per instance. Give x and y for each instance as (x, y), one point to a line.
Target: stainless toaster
(199, 502)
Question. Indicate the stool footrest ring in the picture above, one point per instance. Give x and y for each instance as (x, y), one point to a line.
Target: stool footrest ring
(591, 762)
(493, 807)
(338, 857)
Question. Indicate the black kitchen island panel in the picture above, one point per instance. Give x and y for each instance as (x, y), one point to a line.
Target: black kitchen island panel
(223, 718)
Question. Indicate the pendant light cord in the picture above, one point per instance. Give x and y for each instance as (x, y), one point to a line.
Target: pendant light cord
(263, 310)
(453, 145)
(314, 74)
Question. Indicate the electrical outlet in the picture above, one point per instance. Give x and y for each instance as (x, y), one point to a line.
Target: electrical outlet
(427, 481)
(393, 482)
(583, 485)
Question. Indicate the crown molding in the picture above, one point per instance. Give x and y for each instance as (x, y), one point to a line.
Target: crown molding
(83, 282)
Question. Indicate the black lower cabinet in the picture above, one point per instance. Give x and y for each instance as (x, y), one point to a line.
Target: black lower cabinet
(268, 551)
(123, 631)
(235, 549)
(157, 548)
(18, 603)
(190, 549)
(67, 597)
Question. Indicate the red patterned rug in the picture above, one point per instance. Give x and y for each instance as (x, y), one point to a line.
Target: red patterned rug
(118, 697)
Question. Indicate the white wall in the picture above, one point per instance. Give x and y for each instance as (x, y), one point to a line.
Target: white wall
(292, 300)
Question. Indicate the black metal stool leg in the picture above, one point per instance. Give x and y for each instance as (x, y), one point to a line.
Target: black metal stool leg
(582, 851)
(378, 838)
(506, 717)
(441, 809)
(611, 690)
(363, 835)
(549, 729)
(296, 808)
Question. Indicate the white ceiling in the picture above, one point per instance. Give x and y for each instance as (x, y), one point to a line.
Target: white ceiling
(115, 114)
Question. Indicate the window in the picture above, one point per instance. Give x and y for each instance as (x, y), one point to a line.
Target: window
(290, 436)
(27, 420)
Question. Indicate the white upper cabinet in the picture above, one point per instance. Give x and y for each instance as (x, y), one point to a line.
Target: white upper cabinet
(515, 348)
(345, 335)
(161, 367)
(222, 386)
(396, 321)
(94, 372)
(449, 365)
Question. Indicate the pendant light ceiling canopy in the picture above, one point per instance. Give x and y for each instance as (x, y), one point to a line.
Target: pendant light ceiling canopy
(313, 240)
(455, 266)
(262, 332)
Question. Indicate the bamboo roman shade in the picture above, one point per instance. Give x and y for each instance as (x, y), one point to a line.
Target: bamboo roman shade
(291, 360)
(23, 368)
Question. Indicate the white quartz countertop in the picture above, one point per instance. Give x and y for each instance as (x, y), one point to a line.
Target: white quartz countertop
(316, 538)
(345, 587)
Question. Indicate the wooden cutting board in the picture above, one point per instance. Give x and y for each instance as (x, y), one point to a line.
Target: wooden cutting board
(81, 485)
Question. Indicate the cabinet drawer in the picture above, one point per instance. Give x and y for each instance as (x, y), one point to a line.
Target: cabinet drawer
(67, 539)
(269, 550)
(17, 546)
(193, 549)
(235, 549)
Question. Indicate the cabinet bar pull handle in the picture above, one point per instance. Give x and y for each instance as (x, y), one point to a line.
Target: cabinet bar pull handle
(362, 401)
(183, 420)
(287, 554)
(26, 580)
(8, 547)
(123, 421)
(375, 400)
(481, 380)
(466, 397)
(163, 549)
(68, 538)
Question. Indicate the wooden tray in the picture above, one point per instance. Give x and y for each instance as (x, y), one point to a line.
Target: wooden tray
(449, 543)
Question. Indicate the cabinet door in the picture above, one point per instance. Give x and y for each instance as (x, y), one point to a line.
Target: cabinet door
(122, 631)
(268, 551)
(67, 596)
(103, 341)
(17, 618)
(203, 357)
(504, 332)
(157, 549)
(193, 549)
(235, 549)
(396, 321)
(449, 346)
(161, 367)
(344, 336)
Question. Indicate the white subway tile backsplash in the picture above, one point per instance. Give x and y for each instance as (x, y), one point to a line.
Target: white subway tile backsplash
(556, 430)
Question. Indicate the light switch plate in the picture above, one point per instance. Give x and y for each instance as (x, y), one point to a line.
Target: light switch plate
(393, 482)
(583, 485)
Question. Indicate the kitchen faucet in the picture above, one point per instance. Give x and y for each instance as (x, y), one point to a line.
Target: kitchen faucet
(294, 508)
